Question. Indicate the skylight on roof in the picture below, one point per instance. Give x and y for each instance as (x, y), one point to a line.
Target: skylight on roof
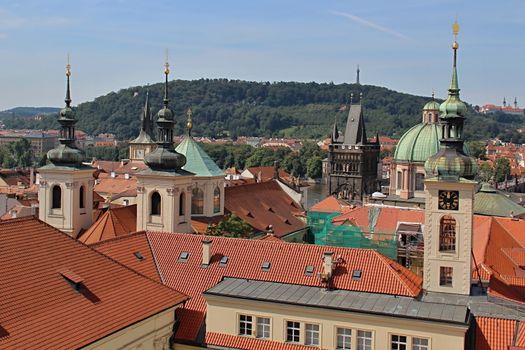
(139, 256)
(356, 274)
(224, 260)
(183, 257)
(309, 271)
(265, 266)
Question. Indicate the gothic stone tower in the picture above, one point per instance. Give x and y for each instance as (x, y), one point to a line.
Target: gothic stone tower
(353, 161)
(66, 185)
(164, 190)
(143, 144)
(449, 201)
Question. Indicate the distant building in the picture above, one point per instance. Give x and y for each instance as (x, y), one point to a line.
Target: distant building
(506, 108)
(40, 142)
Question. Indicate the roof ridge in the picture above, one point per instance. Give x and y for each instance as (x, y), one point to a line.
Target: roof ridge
(155, 261)
(389, 265)
(137, 233)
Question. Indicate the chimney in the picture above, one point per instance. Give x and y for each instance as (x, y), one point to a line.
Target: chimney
(206, 252)
(112, 174)
(276, 170)
(328, 264)
(126, 176)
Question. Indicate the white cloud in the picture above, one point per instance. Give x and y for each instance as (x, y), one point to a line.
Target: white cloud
(369, 24)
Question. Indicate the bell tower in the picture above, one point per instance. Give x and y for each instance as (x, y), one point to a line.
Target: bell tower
(65, 194)
(449, 200)
(164, 190)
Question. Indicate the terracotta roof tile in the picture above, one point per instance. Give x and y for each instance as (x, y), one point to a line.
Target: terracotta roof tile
(41, 309)
(494, 333)
(247, 343)
(115, 185)
(113, 223)
(246, 202)
(379, 274)
(331, 205)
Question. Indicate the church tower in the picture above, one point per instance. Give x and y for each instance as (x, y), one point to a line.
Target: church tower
(449, 203)
(354, 160)
(65, 194)
(164, 190)
(144, 143)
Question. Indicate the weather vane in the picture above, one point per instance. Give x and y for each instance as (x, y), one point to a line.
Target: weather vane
(455, 29)
(68, 67)
(167, 65)
(189, 124)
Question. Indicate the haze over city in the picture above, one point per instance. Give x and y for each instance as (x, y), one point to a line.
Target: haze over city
(400, 45)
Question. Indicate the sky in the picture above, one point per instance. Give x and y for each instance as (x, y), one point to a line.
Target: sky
(404, 45)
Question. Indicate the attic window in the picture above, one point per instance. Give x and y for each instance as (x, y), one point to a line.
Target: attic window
(265, 266)
(309, 271)
(3, 332)
(74, 280)
(224, 261)
(356, 275)
(183, 257)
(139, 256)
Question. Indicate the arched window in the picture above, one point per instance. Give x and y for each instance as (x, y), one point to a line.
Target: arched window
(399, 180)
(197, 201)
(56, 200)
(216, 200)
(155, 203)
(81, 197)
(182, 203)
(447, 233)
(420, 185)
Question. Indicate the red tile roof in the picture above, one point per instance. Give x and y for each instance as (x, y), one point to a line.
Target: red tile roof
(331, 205)
(494, 333)
(123, 250)
(288, 262)
(39, 307)
(266, 173)
(115, 185)
(113, 223)
(248, 343)
(264, 204)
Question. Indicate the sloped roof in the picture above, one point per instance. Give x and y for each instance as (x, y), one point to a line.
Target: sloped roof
(197, 161)
(494, 333)
(330, 205)
(267, 173)
(41, 309)
(263, 204)
(115, 185)
(248, 343)
(489, 201)
(245, 257)
(355, 132)
(113, 223)
(143, 138)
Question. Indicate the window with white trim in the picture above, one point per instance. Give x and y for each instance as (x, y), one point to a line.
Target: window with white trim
(344, 339)
(245, 325)
(311, 334)
(398, 342)
(364, 340)
(263, 328)
(420, 344)
(293, 331)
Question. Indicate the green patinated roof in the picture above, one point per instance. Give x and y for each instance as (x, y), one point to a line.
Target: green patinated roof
(489, 201)
(142, 138)
(419, 143)
(197, 161)
(432, 105)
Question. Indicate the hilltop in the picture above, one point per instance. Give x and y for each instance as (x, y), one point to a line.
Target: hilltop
(223, 107)
(27, 112)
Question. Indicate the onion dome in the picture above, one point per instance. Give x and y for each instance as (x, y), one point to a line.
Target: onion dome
(66, 152)
(449, 162)
(165, 158)
(431, 105)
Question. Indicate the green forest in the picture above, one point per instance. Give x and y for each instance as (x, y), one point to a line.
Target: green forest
(223, 107)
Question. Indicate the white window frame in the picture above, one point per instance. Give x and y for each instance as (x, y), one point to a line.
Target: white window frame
(245, 323)
(298, 329)
(420, 346)
(309, 334)
(266, 327)
(398, 342)
(362, 345)
(347, 338)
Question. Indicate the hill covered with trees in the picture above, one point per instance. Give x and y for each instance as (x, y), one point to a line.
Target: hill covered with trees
(223, 107)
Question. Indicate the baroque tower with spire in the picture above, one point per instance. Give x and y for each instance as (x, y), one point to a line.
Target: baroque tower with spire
(450, 189)
(65, 194)
(144, 143)
(353, 161)
(164, 189)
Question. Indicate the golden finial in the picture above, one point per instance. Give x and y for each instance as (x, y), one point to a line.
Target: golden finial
(167, 65)
(455, 31)
(68, 67)
(433, 94)
(189, 124)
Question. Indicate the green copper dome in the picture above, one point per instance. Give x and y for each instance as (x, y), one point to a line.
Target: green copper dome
(418, 143)
(448, 162)
(431, 106)
(198, 161)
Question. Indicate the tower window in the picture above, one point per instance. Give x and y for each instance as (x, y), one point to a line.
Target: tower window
(445, 276)
(56, 200)
(182, 204)
(399, 180)
(155, 204)
(420, 185)
(197, 201)
(216, 200)
(81, 197)
(447, 234)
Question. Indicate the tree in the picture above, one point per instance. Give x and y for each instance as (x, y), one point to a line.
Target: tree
(314, 167)
(501, 169)
(230, 226)
(477, 149)
(485, 172)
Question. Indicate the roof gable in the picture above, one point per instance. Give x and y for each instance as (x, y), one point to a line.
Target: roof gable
(113, 223)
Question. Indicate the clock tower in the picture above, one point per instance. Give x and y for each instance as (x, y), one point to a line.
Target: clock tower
(449, 200)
